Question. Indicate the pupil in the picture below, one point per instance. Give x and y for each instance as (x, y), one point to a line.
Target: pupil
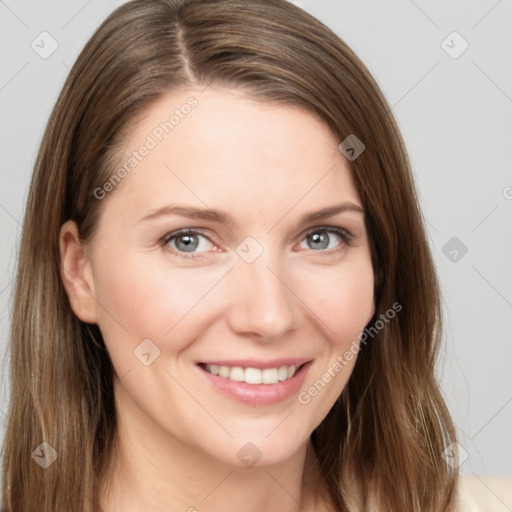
(321, 238)
(190, 244)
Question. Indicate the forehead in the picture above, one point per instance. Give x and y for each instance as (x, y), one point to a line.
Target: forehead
(222, 148)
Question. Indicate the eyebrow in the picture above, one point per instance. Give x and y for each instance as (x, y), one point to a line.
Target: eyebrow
(220, 216)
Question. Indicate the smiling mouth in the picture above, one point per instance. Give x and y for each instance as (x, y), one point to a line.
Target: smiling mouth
(252, 375)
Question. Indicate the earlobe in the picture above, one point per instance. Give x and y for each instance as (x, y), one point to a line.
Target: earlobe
(76, 273)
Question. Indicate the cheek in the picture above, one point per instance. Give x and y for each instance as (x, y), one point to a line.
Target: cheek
(138, 299)
(343, 300)
(141, 297)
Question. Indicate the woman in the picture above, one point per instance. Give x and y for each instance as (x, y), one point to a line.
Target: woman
(225, 296)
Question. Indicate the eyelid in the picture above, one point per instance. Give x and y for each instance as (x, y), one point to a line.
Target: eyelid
(164, 241)
(346, 236)
(333, 229)
(184, 231)
(344, 233)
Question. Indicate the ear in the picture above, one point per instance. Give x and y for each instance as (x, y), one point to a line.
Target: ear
(76, 273)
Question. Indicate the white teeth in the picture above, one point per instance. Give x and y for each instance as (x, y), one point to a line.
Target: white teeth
(252, 375)
(236, 373)
(269, 376)
(282, 373)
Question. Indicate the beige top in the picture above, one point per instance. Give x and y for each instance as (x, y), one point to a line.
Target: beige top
(473, 494)
(484, 494)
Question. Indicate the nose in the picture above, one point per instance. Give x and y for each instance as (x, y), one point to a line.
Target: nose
(263, 304)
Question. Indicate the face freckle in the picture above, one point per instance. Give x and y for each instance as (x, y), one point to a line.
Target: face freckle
(253, 284)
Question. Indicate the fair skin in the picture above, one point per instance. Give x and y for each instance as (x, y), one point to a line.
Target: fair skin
(266, 166)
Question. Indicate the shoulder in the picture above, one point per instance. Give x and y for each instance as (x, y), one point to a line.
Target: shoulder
(483, 494)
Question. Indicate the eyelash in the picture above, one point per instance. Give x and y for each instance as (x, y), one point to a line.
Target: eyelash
(345, 235)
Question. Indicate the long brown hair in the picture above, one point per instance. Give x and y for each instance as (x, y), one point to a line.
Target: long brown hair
(390, 426)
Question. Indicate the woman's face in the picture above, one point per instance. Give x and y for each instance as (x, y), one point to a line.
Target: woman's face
(263, 287)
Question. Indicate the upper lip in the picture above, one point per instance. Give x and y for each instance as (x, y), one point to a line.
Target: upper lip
(258, 363)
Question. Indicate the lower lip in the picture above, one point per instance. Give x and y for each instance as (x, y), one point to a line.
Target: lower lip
(259, 394)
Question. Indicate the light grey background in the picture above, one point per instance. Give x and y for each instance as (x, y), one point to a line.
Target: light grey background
(455, 116)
